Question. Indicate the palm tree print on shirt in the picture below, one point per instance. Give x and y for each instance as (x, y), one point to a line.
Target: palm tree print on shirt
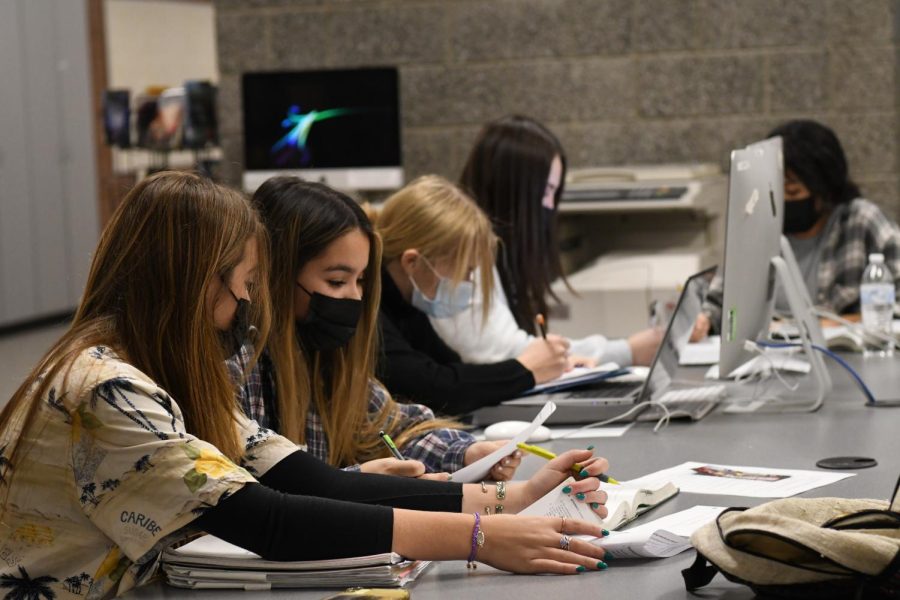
(26, 588)
(76, 583)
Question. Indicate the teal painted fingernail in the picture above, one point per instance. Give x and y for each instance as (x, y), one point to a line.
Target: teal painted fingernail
(591, 447)
(584, 473)
(608, 556)
(595, 505)
(580, 496)
(581, 569)
(605, 532)
(567, 490)
(602, 565)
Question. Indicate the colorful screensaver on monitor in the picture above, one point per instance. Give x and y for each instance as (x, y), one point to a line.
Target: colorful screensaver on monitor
(321, 119)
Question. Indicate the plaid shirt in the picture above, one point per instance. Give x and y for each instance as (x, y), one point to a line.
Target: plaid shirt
(859, 229)
(439, 449)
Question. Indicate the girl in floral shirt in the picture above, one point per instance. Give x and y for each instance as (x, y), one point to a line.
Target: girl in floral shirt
(125, 437)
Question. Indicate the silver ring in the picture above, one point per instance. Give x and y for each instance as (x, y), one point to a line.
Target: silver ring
(564, 542)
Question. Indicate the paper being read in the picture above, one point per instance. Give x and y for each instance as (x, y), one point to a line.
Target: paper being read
(663, 537)
(480, 469)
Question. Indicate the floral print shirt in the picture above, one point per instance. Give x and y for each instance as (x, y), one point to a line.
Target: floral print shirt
(108, 478)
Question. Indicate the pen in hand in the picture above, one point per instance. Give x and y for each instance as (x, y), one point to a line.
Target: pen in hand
(542, 325)
(391, 445)
(577, 468)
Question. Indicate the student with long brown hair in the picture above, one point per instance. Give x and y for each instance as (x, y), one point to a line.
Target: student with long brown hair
(315, 383)
(126, 435)
(435, 238)
(516, 171)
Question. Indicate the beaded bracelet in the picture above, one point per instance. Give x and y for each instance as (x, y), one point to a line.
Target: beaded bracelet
(477, 542)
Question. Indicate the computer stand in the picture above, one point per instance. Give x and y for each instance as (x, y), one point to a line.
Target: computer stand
(787, 273)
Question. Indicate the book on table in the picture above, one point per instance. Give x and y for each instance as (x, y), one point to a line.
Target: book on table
(210, 562)
(625, 503)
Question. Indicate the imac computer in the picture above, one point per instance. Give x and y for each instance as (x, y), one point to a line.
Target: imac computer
(338, 127)
(757, 258)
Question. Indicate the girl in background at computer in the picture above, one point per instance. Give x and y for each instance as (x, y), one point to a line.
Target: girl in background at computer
(315, 383)
(516, 172)
(831, 228)
(435, 238)
(102, 468)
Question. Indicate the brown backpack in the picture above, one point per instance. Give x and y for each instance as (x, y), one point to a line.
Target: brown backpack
(815, 548)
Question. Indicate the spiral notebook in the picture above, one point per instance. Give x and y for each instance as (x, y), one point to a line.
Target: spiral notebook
(212, 563)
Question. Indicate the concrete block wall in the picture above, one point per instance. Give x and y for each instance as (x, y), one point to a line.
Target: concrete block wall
(620, 81)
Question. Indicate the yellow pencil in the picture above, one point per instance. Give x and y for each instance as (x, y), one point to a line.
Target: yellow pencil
(544, 453)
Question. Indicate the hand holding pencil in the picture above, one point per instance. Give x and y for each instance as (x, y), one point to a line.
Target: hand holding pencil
(559, 469)
(547, 356)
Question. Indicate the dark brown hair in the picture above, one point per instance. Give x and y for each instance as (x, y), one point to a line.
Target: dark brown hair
(506, 173)
(303, 220)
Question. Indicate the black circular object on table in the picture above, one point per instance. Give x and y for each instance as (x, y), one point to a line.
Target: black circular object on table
(847, 462)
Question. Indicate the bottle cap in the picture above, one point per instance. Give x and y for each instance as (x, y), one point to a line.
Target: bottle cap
(876, 257)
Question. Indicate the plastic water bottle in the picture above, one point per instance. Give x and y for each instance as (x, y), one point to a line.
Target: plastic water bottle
(876, 298)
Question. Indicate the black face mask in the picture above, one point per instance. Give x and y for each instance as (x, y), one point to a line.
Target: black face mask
(239, 332)
(331, 322)
(800, 215)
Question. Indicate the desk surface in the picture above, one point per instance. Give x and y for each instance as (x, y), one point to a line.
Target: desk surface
(844, 426)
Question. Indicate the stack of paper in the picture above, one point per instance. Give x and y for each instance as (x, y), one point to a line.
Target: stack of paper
(209, 562)
(664, 537)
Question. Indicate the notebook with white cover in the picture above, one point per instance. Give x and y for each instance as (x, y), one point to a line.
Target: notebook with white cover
(624, 504)
(210, 551)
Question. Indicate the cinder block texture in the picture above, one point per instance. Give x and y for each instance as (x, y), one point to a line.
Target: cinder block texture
(620, 81)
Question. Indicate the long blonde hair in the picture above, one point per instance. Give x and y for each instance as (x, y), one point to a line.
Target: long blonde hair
(303, 220)
(438, 219)
(172, 236)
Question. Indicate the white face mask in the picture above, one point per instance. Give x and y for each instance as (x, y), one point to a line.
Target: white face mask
(449, 300)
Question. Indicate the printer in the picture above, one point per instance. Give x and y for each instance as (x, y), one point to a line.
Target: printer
(629, 237)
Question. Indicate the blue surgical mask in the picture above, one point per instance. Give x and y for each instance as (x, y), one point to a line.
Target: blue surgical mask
(448, 301)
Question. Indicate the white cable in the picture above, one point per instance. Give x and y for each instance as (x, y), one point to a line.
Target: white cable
(624, 415)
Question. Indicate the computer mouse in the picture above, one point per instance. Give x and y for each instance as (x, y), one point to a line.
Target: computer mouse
(505, 430)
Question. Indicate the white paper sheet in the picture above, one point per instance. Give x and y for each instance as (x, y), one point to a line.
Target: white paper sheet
(660, 538)
(578, 373)
(705, 352)
(730, 480)
(479, 469)
(609, 431)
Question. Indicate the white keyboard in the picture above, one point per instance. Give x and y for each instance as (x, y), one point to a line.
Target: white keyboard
(709, 393)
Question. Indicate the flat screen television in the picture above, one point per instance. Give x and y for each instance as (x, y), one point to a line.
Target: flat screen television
(340, 127)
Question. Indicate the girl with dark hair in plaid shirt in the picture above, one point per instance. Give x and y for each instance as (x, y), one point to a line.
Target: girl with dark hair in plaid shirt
(315, 382)
(831, 228)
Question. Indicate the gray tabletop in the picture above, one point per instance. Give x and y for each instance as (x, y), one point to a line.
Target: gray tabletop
(844, 426)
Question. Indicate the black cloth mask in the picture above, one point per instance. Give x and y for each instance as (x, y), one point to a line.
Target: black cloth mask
(800, 215)
(331, 322)
(239, 332)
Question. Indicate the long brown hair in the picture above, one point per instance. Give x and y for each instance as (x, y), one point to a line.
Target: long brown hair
(506, 173)
(172, 236)
(303, 220)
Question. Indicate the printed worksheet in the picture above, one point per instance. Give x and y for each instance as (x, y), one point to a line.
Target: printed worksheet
(660, 538)
(730, 480)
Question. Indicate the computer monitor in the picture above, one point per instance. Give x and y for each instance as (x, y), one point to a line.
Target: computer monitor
(339, 127)
(754, 219)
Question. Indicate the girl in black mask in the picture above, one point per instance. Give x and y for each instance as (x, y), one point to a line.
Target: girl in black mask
(314, 384)
(831, 228)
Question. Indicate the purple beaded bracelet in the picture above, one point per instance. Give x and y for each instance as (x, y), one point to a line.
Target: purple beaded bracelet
(477, 541)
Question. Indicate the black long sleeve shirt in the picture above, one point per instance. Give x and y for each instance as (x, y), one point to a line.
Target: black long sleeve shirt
(305, 509)
(416, 365)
